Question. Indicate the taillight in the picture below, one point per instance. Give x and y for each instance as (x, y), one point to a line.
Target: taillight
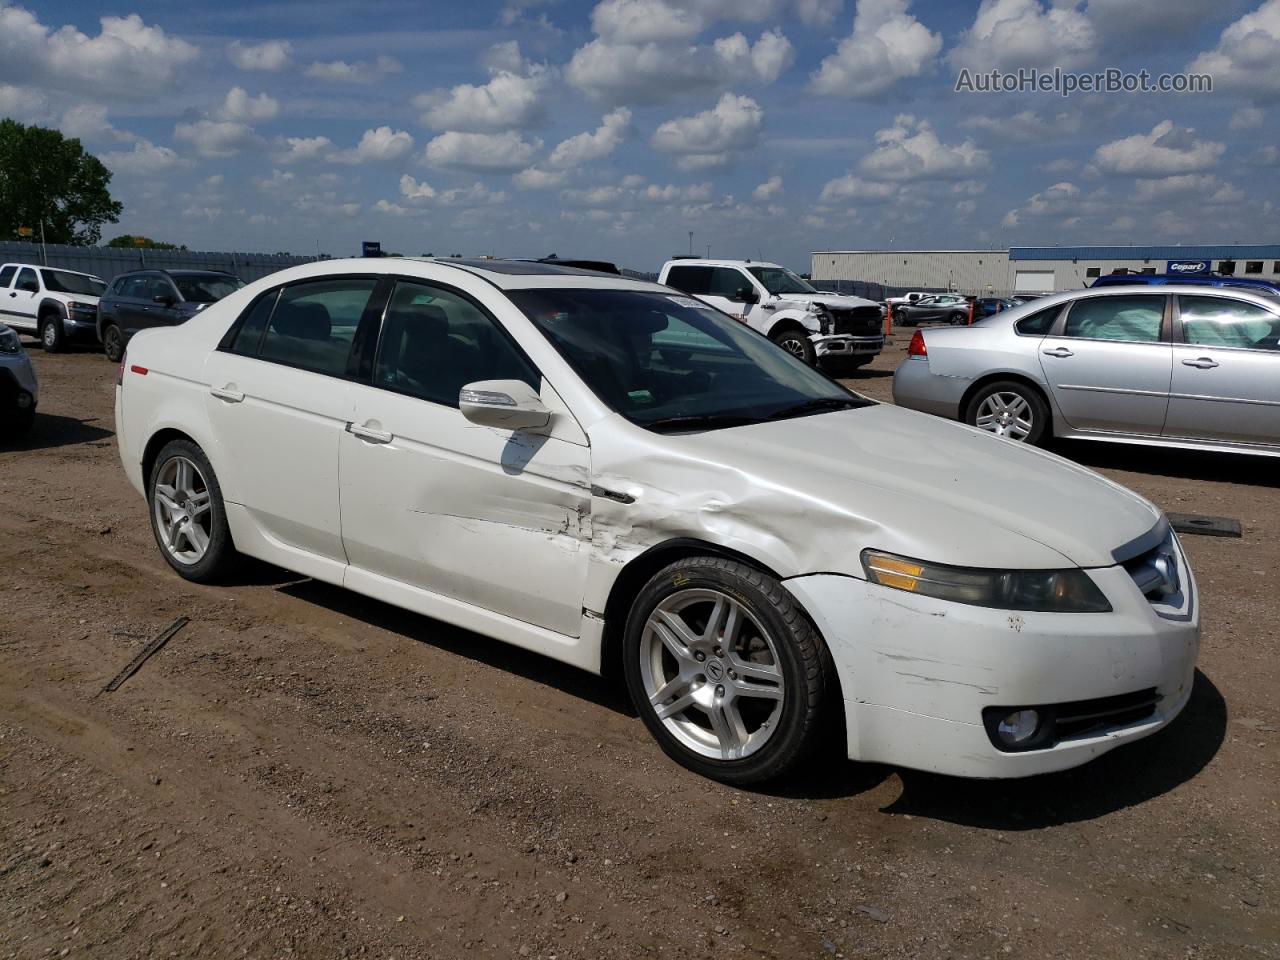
(917, 348)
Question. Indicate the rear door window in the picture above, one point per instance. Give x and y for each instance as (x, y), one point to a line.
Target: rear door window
(695, 280)
(314, 324)
(1131, 318)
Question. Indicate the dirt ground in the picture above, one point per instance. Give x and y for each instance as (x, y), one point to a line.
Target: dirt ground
(305, 773)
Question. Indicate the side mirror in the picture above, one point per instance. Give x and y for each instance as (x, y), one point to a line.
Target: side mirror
(747, 295)
(505, 404)
(164, 299)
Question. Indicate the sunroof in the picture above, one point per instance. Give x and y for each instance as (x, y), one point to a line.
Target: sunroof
(521, 268)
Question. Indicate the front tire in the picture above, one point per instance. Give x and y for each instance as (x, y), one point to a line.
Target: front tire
(188, 517)
(796, 343)
(113, 343)
(52, 337)
(725, 670)
(1010, 409)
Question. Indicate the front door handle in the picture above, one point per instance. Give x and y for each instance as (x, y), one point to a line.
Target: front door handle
(1204, 363)
(1059, 352)
(227, 394)
(371, 436)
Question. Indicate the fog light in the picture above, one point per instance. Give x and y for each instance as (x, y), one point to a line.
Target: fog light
(24, 400)
(1018, 727)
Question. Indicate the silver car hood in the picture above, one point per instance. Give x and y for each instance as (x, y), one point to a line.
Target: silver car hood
(809, 494)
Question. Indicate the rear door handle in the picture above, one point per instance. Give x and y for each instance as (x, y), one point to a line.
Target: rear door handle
(372, 436)
(227, 394)
(1204, 363)
(1059, 352)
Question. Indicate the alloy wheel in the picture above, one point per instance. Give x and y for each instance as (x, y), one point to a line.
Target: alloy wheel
(180, 500)
(712, 674)
(1006, 414)
(49, 335)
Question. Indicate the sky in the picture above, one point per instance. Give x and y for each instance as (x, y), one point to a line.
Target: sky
(613, 129)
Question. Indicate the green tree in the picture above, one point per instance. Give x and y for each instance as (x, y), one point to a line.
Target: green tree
(48, 178)
(134, 241)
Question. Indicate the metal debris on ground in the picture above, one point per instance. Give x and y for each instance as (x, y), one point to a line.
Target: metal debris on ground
(133, 665)
(1205, 526)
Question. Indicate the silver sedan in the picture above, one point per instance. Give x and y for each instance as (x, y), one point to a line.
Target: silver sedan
(1198, 367)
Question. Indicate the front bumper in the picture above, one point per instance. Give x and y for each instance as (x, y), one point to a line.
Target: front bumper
(17, 377)
(916, 672)
(846, 345)
(916, 388)
(81, 327)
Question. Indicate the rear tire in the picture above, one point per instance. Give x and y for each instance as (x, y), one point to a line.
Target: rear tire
(52, 337)
(188, 517)
(113, 343)
(726, 671)
(796, 343)
(1010, 409)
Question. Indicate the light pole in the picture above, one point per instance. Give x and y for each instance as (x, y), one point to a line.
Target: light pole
(691, 243)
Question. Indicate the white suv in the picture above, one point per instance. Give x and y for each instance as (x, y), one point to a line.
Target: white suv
(57, 305)
(842, 333)
(765, 556)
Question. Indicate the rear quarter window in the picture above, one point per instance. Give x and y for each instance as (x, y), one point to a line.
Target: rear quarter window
(1039, 323)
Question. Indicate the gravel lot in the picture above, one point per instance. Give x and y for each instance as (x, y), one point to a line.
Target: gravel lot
(302, 772)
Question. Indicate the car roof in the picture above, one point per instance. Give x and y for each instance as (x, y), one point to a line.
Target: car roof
(503, 274)
(705, 262)
(1260, 298)
(40, 266)
(1182, 279)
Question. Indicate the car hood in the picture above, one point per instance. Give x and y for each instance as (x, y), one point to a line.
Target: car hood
(807, 495)
(832, 300)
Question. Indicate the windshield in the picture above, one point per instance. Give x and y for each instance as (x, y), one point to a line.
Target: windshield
(62, 281)
(778, 280)
(672, 363)
(205, 289)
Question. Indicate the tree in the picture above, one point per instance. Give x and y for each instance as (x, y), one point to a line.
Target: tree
(134, 241)
(48, 179)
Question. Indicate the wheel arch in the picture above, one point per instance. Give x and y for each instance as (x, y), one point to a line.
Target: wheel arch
(786, 322)
(157, 442)
(1012, 376)
(50, 307)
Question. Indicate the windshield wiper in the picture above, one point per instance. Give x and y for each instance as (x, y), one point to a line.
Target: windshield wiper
(701, 421)
(820, 405)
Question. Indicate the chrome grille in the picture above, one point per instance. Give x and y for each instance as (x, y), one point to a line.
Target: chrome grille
(856, 321)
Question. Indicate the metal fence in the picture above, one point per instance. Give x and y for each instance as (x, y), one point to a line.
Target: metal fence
(108, 262)
(879, 292)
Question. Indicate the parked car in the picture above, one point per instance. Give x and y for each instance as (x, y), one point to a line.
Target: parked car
(500, 446)
(1256, 284)
(943, 307)
(57, 305)
(840, 333)
(1021, 298)
(1195, 367)
(19, 391)
(987, 306)
(156, 298)
(911, 297)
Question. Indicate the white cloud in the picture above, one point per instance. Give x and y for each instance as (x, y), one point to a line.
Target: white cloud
(887, 45)
(595, 145)
(1166, 150)
(1007, 34)
(481, 152)
(88, 120)
(768, 190)
(593, 196)
(394, 209)
(475, 195)
(271, 56)
(1026, 126)
(640, 21)
(358, 71)
(126, 58)
(536, 178)
(764, 61)
(144, 158)
(217, 138)
(302, 149)
(709, 139)
(910, 150)
(1247, 118)
(852, 187)
(1247, 53)
(693, 193)
(382, 145)
(416, 191)
(239, 106)
(819, 13)
(514, 97)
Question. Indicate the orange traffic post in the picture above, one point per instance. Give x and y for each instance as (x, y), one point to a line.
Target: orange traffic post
(888, 318)
(972, 303)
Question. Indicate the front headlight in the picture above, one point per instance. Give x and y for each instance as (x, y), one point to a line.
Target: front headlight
(9, 342)
(81, 307)
(1042, 591)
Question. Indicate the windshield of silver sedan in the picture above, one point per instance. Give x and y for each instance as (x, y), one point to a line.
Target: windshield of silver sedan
(672, 364)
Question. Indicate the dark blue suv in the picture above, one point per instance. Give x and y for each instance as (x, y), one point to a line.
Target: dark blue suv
(1256, 284)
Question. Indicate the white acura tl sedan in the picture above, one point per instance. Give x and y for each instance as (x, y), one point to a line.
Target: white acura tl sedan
(518, 449)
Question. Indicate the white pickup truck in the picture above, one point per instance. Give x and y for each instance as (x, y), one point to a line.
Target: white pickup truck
(839, 333)
(56, 305)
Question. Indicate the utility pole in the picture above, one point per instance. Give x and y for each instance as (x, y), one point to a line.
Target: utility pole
(691, 243)
(44, 254)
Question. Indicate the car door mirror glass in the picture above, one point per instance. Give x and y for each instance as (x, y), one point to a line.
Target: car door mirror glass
(505, 404)
(746, 295)
(164, 299)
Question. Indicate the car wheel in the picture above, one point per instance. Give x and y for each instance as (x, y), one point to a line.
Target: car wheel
(113, 343)
(725, 670)
(959, 319)
(51, 337)
(796, 343)
(188, 517)
(1011, 410)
